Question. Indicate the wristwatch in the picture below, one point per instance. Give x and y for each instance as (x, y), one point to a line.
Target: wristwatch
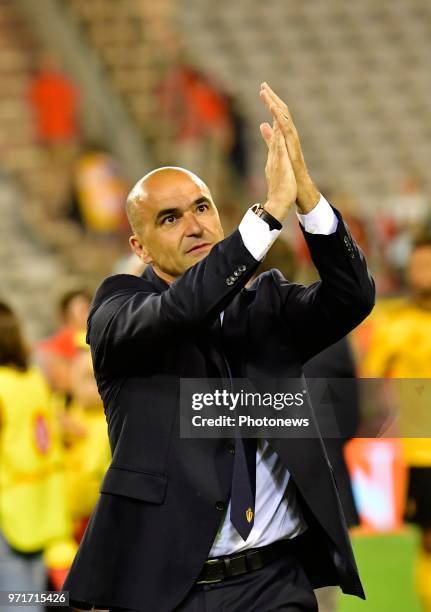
(274, 224)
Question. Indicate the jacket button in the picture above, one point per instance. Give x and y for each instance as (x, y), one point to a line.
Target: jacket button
(231, 449)
(220, 506)
(242, 268)
(236, 273)
(230, 281)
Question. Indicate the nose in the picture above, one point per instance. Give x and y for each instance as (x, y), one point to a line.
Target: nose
(192, 225)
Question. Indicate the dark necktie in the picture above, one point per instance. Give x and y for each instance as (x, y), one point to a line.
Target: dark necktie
(243, 489)
(243, 492)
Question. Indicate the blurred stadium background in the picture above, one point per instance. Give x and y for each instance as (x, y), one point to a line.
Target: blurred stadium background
(94, 93)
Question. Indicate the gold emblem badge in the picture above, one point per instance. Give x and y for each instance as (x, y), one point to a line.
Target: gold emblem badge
(249, 515)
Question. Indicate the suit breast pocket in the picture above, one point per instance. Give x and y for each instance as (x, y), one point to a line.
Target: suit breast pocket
(128, 482)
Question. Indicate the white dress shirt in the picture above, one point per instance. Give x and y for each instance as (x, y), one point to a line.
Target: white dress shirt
(277, 513)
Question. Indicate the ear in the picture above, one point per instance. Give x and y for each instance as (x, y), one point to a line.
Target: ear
(140, 250)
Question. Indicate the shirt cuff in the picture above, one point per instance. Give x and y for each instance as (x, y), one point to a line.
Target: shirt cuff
(256, 235)
(320, 220)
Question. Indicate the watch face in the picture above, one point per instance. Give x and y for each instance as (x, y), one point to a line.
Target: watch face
(259, 210)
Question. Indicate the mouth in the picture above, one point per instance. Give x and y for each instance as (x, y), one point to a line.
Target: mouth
(199, 248)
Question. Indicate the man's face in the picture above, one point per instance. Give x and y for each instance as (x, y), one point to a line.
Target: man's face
(179, 225)
(419, 271)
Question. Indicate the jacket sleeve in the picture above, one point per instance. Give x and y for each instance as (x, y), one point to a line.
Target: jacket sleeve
(127, 311)
(320, 314)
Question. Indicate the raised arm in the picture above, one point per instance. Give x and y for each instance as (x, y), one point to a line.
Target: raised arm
(319, 315)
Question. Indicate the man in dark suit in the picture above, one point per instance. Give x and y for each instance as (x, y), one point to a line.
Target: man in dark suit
(206, 524)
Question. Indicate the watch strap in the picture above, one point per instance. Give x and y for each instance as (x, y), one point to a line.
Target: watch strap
(259, 210)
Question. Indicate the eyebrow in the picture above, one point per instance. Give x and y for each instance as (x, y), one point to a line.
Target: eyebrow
(171, 211)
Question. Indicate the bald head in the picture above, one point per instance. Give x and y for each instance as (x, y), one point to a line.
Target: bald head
(161, 183)
(174, 220)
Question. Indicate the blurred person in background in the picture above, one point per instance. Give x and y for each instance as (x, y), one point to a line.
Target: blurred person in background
(400, 347)
(238, 151)
(55, 356)
(73, 307)
(99, 189)
(404, 215)
(54, 100)
(198, 113)
(34, 524)
(87, 454)
(334, 362)
(56, 352)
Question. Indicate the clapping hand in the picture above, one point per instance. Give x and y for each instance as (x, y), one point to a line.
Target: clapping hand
(307, 195)
(280, 177)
